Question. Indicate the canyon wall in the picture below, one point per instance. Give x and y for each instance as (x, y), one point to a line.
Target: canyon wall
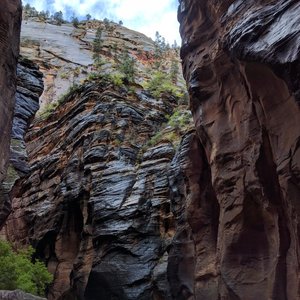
(96, 203)
(238, 236)
(10, 24)
(116, 216)
(29, 88)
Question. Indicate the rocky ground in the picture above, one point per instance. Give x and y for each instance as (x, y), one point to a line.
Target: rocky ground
(240, 64)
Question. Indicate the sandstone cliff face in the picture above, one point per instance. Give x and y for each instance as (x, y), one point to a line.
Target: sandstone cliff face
(95, 199)
(238, 231)
(64, 53)
(10, 22)
(96, 204)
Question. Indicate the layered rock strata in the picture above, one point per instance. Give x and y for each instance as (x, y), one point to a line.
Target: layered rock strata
(96, 204)
(29, 88)
(238, 235)
(10, 23)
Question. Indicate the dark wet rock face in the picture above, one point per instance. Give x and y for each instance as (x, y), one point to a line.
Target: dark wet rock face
(10, 23)
(241, 63)
(96, 204)
(29, 88)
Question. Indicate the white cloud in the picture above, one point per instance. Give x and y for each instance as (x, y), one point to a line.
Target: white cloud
(144, 16)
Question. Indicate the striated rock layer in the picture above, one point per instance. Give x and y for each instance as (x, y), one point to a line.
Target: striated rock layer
(237, 233)
(10, 23)
(29, 88)
(96, 204)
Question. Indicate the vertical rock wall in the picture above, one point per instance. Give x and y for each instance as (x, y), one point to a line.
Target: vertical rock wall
(10, 24)
(241, 63)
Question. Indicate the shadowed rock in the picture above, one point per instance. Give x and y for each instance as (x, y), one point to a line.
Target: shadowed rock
(96, 202)
(241, 61)
(10, 23)
(29, 88)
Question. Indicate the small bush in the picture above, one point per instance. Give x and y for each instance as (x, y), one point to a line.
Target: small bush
(48, 109)
(51, 107)
(75, 22)
(17, 271)
(64, 75)
(127, 66)
(161, 83)
(117, 79)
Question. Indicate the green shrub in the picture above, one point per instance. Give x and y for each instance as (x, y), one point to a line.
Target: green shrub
(97, 48)
(64, 75)
(127, 66)
(48, 109)
(117, 79)
(180, 119)
(17, 271)
(161, 83)
(75, 22)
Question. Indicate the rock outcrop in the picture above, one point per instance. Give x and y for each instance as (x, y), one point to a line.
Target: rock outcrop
(237, 233)
(18, 295)
(29, 89)
(95, 199)
(96, 204)
(10, 23)
(116, 217)
(65, 54)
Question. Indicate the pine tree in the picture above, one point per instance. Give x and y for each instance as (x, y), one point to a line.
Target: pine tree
(174, 71)
(75, 21)
(159, 49)
(58, 17)
(97, 46)
(127, 66)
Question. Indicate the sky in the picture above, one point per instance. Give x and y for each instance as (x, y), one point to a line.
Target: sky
(146, 16)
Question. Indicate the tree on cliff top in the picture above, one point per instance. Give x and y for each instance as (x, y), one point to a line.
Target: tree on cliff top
(17, 271)
(97, 46)
(127, 65)
(58, 17)
(159, 50)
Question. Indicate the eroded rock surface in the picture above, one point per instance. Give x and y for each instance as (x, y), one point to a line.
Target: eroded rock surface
(29, 88)
(239, 237)
(65, 54)
(96, 204)
(18, 295)
(10, 23)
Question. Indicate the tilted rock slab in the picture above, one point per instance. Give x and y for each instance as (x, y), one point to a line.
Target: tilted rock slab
(239, 237)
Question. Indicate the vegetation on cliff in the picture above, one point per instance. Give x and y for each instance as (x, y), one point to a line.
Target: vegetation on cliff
(17, 271)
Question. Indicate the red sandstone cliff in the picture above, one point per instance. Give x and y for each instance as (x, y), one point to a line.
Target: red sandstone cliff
(241, 63)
